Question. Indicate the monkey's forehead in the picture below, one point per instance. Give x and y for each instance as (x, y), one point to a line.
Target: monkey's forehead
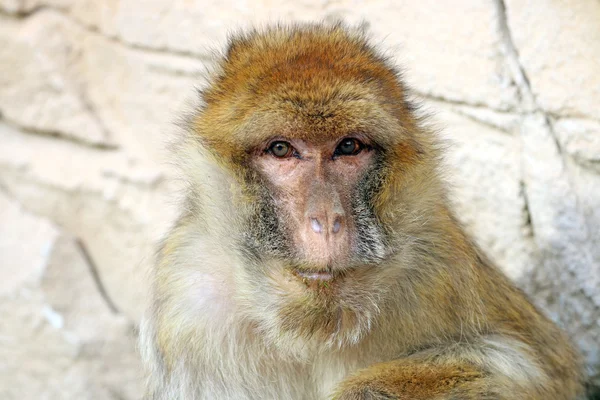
(314, 82)
(306, 58)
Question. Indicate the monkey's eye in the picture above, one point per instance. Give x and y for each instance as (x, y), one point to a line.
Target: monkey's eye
(281, 149)
(348, 147)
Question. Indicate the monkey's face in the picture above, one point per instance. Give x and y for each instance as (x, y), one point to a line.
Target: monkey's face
(326, 240)
(319, 191)
(324, 152)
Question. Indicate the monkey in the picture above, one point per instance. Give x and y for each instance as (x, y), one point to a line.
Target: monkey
(317, 255)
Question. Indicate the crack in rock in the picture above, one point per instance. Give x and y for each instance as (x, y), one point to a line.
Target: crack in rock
(512, 57)
(24, 14)
(96, 276)
(58, 135)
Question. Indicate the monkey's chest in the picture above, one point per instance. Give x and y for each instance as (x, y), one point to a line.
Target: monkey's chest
(273, 379)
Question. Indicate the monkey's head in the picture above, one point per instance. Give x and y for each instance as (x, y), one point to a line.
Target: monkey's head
(315, 128)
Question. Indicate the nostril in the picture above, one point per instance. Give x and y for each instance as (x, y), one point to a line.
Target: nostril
(337, 225)
(316, 225)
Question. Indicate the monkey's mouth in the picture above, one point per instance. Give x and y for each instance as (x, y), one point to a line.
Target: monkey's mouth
(320, 277)
(324, 275)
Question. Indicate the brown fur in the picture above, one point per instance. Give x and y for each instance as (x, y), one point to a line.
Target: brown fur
(432, 319)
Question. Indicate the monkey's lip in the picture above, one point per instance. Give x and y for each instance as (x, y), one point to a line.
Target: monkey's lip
(314, 275)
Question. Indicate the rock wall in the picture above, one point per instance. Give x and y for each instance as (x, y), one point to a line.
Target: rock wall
(89, 91)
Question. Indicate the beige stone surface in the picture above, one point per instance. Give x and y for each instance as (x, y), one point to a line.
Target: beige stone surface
(60, 338)
(90, 91)
(36, 94)
(558, 44)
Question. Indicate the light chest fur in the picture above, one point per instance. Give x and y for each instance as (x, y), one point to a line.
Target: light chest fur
(211, 319)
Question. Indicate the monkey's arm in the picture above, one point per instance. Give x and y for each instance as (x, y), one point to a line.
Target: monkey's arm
(412, 380)
(461, 373)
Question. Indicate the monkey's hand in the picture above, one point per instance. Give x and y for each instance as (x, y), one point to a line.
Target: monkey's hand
(415, 380)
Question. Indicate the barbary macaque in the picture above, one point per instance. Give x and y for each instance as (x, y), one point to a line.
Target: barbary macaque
(317, 256)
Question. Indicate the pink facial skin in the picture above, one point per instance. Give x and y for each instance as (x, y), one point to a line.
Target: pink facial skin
(313, 184)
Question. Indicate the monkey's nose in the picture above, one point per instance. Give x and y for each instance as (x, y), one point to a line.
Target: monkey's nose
(317, 224)
(337, 225)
